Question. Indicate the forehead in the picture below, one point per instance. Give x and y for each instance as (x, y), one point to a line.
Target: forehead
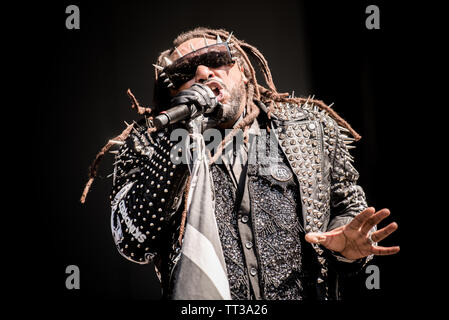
(185, 47)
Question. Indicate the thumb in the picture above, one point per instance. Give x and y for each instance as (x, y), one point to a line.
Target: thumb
(315, 237)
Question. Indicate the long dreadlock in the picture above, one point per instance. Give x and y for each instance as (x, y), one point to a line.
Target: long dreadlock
(254, 91)
(117, 140)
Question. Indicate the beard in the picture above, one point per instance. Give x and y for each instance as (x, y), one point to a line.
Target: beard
(226, 112)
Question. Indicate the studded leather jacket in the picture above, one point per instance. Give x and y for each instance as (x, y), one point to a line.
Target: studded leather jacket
(321, 194)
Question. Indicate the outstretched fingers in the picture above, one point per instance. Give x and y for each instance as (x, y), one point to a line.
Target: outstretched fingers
(352, 238)
(384, 251)
(384, 232)
(374, 220)
(361, 218)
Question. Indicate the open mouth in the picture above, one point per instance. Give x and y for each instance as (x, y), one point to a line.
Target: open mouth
(216, 88)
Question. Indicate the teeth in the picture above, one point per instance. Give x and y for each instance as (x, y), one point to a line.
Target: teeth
(215, 89)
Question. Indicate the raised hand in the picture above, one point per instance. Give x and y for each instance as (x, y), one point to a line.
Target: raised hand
(353, 240)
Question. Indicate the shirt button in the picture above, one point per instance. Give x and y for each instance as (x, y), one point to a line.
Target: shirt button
(249, 244)
(253, 271)
(245, 219)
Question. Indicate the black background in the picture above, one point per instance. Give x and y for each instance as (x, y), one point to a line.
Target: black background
(72, 94)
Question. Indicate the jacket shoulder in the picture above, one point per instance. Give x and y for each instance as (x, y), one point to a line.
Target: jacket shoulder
(312, 110)
(309, 110)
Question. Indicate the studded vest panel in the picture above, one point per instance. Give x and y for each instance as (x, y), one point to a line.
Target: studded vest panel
(226, 215)
(276, 226)
(276, 212)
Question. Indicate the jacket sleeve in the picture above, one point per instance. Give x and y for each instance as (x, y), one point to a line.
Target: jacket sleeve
(347, 197)
(146, 194)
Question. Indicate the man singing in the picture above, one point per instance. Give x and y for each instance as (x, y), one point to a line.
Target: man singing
(271, 211)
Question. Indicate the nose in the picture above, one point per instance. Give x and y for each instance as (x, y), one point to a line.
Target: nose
(203, 73)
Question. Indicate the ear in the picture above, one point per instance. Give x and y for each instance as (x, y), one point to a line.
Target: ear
(245, 79)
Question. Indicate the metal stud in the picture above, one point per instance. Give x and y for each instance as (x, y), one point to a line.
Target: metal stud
(229, 37)
(168, 61)
(158, 67)
(178, 52)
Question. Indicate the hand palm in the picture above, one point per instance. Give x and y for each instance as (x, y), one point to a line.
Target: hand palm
(353, 240)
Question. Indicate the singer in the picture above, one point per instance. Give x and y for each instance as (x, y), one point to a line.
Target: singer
(276, 215)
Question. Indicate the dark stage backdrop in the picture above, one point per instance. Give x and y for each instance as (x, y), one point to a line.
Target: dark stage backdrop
(80, 78)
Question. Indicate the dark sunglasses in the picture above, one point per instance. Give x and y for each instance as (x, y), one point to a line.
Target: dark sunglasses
(184, 68)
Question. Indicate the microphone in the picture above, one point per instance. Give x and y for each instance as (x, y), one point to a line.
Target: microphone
(174, 115)
(186, 111)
